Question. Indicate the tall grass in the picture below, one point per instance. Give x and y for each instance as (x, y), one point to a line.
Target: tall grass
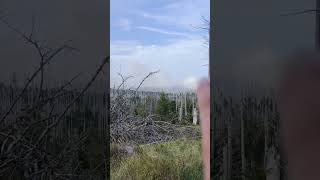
(176, 160)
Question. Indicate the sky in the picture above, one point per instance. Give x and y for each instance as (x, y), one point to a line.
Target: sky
(162, 35)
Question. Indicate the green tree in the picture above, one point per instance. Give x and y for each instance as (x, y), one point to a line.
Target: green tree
(163, 105)
(189, 118)
(165, 108)
(172, 112)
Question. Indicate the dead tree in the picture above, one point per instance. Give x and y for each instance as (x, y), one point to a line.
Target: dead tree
(130, 129)
(30, 147)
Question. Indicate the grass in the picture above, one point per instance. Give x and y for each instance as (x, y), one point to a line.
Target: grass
(176, 160)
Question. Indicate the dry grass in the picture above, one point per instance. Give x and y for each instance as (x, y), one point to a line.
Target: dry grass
(179, 159)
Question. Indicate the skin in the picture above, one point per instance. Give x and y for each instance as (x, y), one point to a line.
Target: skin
(203, 94)
(299, 114)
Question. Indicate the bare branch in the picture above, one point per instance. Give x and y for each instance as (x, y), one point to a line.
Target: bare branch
(106, 60)
(300, 12)
(150, 74)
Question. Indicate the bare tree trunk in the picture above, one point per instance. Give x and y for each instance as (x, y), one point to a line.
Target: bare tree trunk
(176, 99)
(243, 158)
(273, 165)
(195, 116)
(265, 117)
(185, 105)
(193, 102)
(225, 162)
(229, 148)
(180, 110)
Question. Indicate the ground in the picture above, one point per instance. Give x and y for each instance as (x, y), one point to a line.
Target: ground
(180, 159)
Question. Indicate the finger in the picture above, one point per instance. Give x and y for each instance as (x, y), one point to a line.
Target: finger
(203, 94)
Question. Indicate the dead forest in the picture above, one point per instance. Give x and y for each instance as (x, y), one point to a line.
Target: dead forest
(128, 126)
(52, 133)
(246, 138)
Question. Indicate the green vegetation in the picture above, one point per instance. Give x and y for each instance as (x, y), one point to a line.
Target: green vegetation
(140, 110)
(176, 160)
(165, 108)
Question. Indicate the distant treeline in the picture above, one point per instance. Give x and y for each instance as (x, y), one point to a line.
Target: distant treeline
(89, 112)
(176, 107)
(246, 138)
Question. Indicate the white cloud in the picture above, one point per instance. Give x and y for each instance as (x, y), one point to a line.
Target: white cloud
(184, 13)
(162, 31)
(180, 62)
(154, 17)
(125, 24)
(124, 47)
(191, 82)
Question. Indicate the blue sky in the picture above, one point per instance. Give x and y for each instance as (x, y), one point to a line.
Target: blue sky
(149, 35)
